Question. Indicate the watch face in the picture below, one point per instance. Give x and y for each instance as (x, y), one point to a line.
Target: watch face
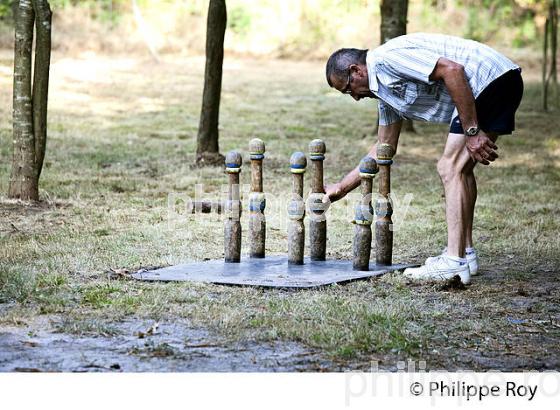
(472, 131)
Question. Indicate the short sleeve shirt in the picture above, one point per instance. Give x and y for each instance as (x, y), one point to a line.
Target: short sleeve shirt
(399, 72)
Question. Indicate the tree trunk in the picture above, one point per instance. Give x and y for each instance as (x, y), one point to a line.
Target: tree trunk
(545, 64)
(43, 18)
(393, 19)
(551, 32)
(393, 24)
(24, 183)
(554, 49)
(30, 102)
(207, 141)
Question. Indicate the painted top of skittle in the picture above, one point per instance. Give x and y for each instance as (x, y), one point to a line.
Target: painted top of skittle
(233, 162)
(256, 148)
(368, 167)
(298, 162)
(317, 150)
(385, 154)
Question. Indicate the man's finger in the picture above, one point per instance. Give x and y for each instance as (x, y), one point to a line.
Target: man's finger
(485, 160)
(491, 144)
(491, 153)
(481, 159)
(488, 157)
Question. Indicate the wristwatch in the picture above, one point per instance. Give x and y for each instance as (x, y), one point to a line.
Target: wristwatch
(472, 131)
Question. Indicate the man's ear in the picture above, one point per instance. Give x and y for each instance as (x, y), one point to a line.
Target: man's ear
(357, 71)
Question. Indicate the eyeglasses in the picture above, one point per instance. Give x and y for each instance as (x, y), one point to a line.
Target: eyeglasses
(347, 89)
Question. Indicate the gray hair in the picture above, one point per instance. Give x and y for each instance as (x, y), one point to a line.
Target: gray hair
(340, 60)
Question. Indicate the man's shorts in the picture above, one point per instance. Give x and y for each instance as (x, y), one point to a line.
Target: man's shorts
(496, 105)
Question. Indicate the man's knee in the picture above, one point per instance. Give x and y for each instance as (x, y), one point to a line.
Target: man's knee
(445, 170)
(449, 169)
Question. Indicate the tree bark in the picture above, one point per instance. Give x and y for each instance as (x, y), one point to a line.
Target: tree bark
(30, 101)
(393, 19)
(545, 63)
(550, 32)
(43, 21)
(207, 140)
(554, 49)
(23, 180)
(393, 24)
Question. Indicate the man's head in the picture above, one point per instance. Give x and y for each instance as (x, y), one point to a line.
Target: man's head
(347, 72)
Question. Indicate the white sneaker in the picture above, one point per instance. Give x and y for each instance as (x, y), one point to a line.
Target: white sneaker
(472, 259)
(440, 268)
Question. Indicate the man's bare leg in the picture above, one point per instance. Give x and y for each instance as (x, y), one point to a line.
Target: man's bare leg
(472, 195)
(456, 171)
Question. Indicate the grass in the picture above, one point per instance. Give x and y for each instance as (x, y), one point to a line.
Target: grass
(122, 137)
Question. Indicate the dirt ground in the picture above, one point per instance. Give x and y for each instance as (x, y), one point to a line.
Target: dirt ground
(122, 132)
(150, 347)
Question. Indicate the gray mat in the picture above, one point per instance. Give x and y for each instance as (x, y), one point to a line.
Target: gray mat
(273, 271)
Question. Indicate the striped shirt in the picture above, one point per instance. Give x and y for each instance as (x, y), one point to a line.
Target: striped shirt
(399, 73)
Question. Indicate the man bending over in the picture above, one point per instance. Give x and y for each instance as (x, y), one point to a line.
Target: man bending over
(436, 78)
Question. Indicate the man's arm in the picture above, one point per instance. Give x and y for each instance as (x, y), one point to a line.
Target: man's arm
(480, 147)
(387, 134)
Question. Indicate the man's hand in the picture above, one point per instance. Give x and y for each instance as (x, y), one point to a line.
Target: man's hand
(481, 148)
(334, 192)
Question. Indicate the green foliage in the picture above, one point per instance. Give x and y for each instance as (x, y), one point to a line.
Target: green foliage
(486, 18)
(311, 28)
(526, 34)
(6, 9)
(239, 20)
(106, 4)
(108, 11)
(103, 10)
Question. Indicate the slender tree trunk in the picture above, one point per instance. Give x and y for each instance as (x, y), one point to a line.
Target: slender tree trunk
(393, 19)
(23, 180)
(30, 101)
(43, 18)
(551, 32)
(207, 150)
(545, 64)
(393, 24)
(554, 49)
